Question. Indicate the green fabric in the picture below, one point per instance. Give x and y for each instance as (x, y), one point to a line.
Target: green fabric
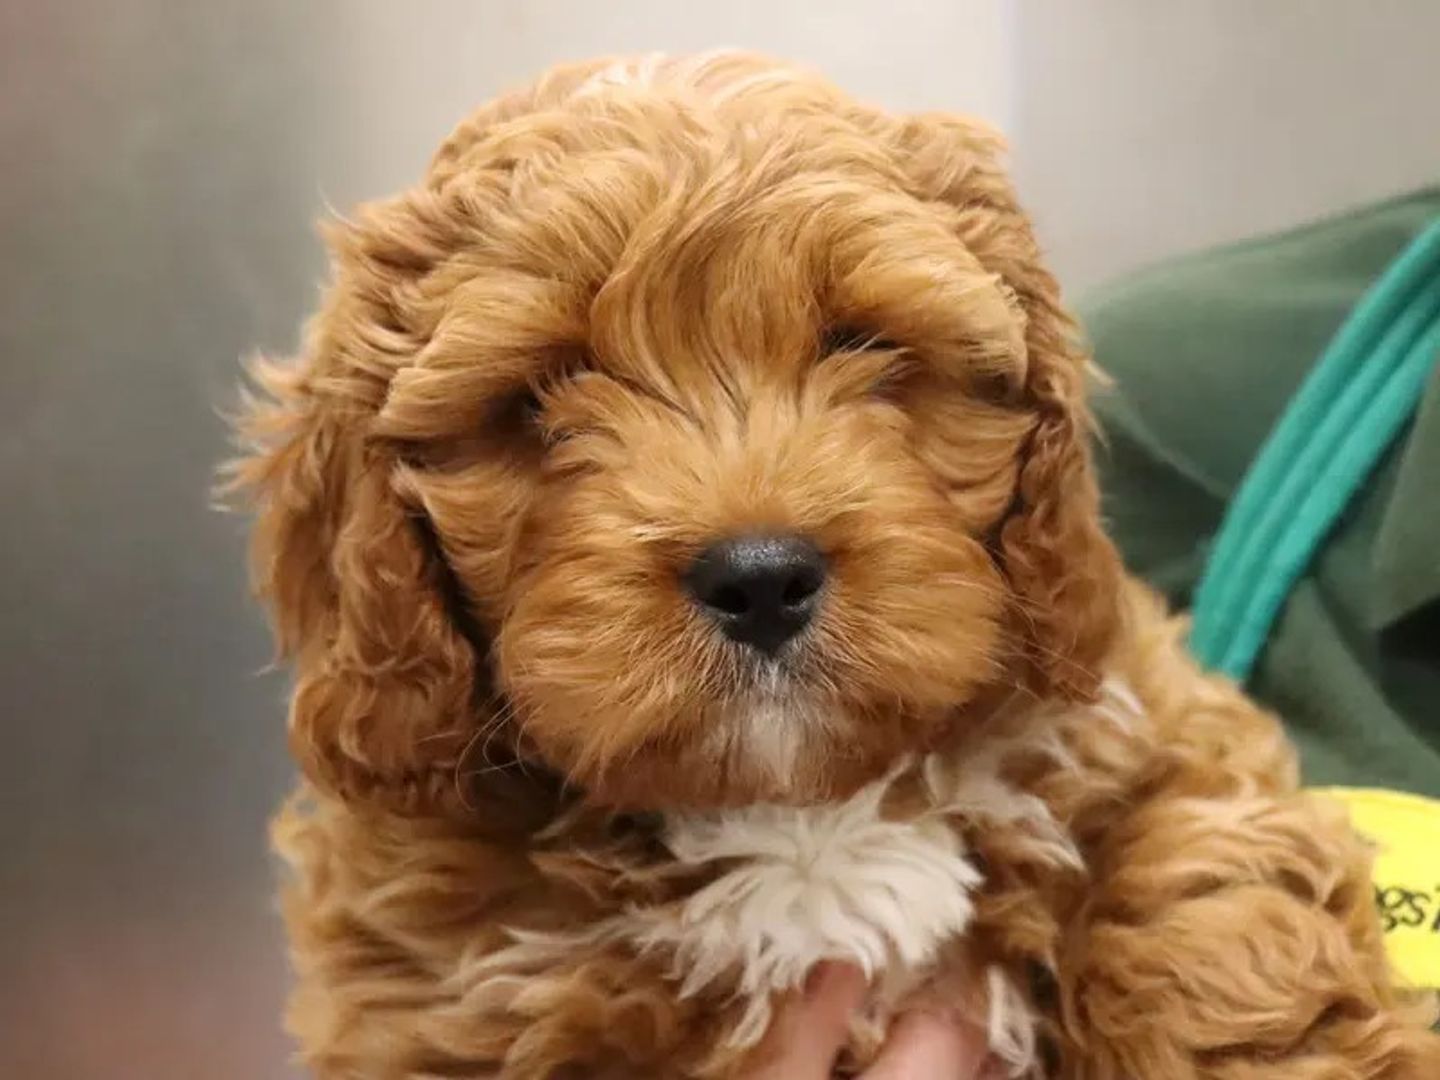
(1346, 413)
(1206, 352)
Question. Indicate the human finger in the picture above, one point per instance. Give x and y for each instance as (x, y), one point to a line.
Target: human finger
(810, 1029)
(930, 1045)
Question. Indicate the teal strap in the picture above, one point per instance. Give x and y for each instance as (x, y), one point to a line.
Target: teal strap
(1331, 436)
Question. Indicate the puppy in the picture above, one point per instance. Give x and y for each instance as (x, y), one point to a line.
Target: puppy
(681, 525)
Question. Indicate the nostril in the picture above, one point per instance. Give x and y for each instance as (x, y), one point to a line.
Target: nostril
(800, 588)
(728, 599)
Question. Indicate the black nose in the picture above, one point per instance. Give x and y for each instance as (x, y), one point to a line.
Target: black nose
(761, 590)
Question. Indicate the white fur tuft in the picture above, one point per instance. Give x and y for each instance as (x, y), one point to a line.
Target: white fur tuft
(835, 881)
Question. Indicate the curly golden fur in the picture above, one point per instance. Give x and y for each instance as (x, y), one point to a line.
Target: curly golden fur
(549, 813)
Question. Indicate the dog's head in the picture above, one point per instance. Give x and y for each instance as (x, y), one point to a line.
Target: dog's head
(693, 432)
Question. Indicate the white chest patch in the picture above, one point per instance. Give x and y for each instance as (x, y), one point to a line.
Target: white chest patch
(828, 882)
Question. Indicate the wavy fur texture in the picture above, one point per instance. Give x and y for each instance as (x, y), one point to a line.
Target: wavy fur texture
(553, 824)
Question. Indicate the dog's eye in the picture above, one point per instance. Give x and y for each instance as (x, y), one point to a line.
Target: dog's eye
(843, 338)
(529, 405)
(519, 410)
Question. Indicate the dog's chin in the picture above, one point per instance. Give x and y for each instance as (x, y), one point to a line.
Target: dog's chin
(767, 748)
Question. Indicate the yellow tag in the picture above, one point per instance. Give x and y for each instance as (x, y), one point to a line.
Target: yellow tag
(1405, 830)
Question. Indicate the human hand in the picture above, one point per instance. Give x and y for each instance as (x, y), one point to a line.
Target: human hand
(923, 1045)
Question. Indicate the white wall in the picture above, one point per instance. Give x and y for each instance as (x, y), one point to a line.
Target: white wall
(401, 83)
(1146, 127)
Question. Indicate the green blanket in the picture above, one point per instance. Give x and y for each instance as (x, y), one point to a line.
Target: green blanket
(1343, 638)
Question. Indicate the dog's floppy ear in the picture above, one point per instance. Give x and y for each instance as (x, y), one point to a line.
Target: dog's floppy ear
(1064, 570)
(1055, 553)
(386, 690)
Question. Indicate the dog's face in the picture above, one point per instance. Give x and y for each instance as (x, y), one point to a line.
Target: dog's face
(695, 434)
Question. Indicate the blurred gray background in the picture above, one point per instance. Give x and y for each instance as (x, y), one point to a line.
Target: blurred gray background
(163, 163)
